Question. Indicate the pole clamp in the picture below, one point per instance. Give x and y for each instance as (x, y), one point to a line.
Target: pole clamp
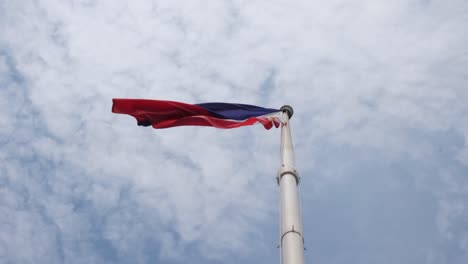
(291, 231)
(287, 170)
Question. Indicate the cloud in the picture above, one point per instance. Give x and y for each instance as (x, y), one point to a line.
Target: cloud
(379, 128)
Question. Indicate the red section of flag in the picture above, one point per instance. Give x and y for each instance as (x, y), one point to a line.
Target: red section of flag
(214, 122)
(154, 111)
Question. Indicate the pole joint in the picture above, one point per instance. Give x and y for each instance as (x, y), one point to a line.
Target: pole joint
(287, 170)
(291, 231)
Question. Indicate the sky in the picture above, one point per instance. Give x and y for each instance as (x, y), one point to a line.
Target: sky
(380, 130)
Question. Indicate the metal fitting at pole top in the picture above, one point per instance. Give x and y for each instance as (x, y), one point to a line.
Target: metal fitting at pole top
(288, 109)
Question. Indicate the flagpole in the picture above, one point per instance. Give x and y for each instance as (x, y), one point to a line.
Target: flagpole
(291, 241)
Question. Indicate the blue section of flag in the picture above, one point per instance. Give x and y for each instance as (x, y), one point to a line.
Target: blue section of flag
(236, 111)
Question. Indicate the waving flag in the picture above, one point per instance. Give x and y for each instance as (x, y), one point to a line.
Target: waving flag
(164, 114)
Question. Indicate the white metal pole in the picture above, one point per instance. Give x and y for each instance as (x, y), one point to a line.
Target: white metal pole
(291, 241)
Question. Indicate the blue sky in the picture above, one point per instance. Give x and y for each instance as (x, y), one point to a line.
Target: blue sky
(380, 130)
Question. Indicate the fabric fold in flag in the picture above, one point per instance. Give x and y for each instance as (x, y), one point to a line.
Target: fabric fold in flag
(165, 114)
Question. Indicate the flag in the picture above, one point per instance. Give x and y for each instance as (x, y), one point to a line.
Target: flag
(164, 114)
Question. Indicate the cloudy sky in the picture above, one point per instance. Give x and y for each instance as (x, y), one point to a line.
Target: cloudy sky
(380, 92)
